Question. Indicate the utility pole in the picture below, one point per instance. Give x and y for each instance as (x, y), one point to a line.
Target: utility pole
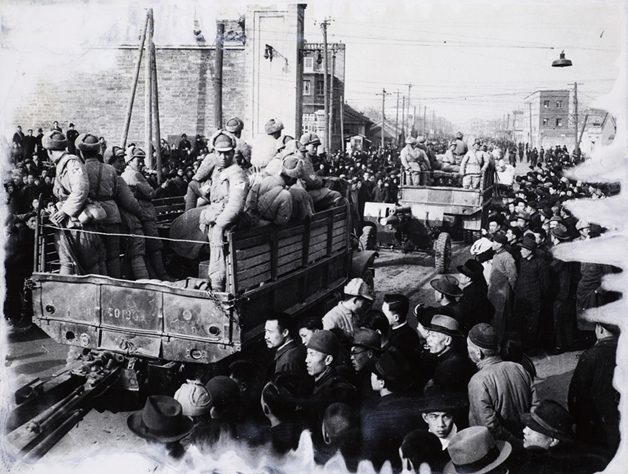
(342, 123)
(424, 114)
(325, 84)
(383, 94)
(397, 119)
(530, 104)
(409, 89)
(575, 99)
(414, 124)
(330, 126)
(403, 118)
(148, 106)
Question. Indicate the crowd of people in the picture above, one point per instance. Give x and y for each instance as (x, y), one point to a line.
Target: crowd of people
(457, 391)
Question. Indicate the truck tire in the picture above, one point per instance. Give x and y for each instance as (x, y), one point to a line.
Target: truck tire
(368, 239)
(442, 252)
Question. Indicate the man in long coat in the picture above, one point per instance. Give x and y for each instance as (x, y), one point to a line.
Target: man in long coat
(502, 284)
(530, 295)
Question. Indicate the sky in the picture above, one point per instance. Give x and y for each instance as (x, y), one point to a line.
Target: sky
(474, 60)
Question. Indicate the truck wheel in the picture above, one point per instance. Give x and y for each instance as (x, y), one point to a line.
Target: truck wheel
(442, 252)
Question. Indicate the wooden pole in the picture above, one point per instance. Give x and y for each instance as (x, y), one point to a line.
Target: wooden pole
(148, 122)
(342, 123)
(129, 110)
(325, 85)
(155, 101)
(331, 101)
(220, 34)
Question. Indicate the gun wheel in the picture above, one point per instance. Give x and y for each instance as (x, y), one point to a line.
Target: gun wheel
(442, 252)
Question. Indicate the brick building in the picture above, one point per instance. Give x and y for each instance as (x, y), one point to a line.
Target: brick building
(314, 90)
(546, 119)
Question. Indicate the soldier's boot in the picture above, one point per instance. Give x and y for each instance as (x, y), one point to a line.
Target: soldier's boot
(157, 261)
(138, 266)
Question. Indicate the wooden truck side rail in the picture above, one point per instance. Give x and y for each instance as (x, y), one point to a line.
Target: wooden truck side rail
(294, 269)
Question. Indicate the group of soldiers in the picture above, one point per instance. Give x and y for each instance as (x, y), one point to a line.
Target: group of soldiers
(103, 195)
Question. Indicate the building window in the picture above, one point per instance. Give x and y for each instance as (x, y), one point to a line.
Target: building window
(545, 122)
(307, 88)
(559, 104)
(559, 122)
(320, 88)
(308, 64)
(546, 104)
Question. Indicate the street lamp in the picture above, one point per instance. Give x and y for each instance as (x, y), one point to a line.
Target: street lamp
(562, 62)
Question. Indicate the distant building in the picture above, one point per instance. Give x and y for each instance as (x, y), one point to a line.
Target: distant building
(546, 119)
(314, 89)
(600, 128)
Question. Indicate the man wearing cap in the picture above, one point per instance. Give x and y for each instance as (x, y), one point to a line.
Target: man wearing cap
(131, 214)
(384, 428)
(531, 294)
(414, 161)
(472, 166)
(102, 189)
(501, 391)
(501, 287)
(453, 370)
(144, 193)
(184, 146)
(366, 350)
(229, 188)
(273, 128)
(28, 143)
(461, 148)
(269, 201)
(323, 197)
(564, 277)
(71, 135)
(345, 315)
(18, 144)
(243, 150)
(450, 161)
(549, 444)
(79, 253)
(329, 386)
(440, 413)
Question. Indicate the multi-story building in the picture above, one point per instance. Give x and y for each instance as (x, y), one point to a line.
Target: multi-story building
(546, 119)
(314, 89)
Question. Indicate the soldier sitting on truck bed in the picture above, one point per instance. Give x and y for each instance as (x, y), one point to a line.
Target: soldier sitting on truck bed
(324, 198)
(131, 214)
(144, 192)
(229, 188)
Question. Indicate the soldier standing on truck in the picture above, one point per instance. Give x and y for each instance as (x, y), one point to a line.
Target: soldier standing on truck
(79, 253)
(414, 160)
(461, 147)
(471, 167)
(243, 150)
(102, 189)
(144, 192)
(130, 214)
(228, 191)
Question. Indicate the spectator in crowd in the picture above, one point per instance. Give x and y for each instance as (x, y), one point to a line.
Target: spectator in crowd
(346, 314)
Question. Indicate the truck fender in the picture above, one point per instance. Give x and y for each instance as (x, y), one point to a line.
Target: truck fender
(361, 266)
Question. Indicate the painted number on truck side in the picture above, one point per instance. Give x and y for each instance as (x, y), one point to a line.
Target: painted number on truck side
(125, 314)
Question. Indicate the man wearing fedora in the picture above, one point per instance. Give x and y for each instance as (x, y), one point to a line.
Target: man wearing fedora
(446, 294)
(453, 370)
(475, 451)
(501, 286)
(419, 447)
(475, 307)
(162, 421)
(501, 391)
(531, 295)
(549, 444)
(346, 314)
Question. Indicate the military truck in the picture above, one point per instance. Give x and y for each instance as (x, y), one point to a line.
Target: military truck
(299, 269)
